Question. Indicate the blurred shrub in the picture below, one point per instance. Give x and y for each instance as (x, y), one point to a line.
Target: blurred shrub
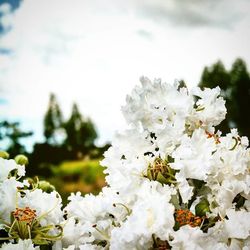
(85, 176)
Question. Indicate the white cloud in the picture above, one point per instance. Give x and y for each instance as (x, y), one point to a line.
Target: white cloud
(217, 13)
(93, 52)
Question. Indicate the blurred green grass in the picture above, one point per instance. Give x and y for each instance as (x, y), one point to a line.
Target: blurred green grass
(85, 176)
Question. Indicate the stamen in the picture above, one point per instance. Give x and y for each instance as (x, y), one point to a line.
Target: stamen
(215, 136)
(24, 214)
(186, 217)
(129, 211)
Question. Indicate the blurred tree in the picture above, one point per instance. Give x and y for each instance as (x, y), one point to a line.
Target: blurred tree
(77, 141)
(11, 131)
(53, 121)
(235, 86)
(240, 95)
(216, 75)
(72, 128)
(88, 132)
(80, 133)
(52, 151)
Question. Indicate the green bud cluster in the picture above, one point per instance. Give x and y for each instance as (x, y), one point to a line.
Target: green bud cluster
(160, 171)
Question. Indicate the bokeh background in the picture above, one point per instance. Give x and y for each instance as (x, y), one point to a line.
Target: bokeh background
(67, 65)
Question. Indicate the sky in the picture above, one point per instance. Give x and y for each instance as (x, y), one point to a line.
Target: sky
(93, 52)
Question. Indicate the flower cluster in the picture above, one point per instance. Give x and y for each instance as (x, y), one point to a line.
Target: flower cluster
(173, 182)
(29, 216)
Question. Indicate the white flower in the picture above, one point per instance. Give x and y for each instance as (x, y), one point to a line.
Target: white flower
(157, 105)
(187, 238)
(92, 217)
(8, 197)
(194, 155)
(238, 224)
(74, 233)
(193, 238)
(47, 206)
(225, 193)
(151, 214)
(21, 245)
(6, 166)
(186, 191)
(210, 109)
(232, 155)
(228, 175)
(90, 247)
(127, 160)
(83, 247)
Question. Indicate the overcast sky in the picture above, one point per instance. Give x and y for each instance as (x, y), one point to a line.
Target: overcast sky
(93, 52)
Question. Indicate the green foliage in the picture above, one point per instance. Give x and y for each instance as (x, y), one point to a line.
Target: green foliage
(235, 85)
(85, 176)
(240, 95)
(214, 76)
(88, 170)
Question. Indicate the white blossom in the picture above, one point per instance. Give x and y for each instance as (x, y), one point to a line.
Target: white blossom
(238, 224)
(21, 245)
(6, 166)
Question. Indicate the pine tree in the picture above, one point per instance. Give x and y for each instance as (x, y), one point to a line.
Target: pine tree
(216, 75)
(53, 121)
(88, 133)
(72, 128)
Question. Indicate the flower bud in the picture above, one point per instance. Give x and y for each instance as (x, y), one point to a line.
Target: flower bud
(4, 155)
(202, 208)
(21, 160)
(46, 186)
(162, 179)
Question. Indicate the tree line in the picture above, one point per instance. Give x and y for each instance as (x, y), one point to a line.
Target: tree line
(77, 134)
(65, 139)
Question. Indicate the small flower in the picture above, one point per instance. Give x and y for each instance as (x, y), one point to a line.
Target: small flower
(26, 225)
